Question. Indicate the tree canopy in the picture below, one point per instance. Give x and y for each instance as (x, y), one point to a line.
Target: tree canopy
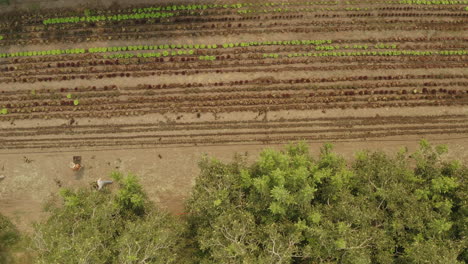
(91, 226)
(291, 208)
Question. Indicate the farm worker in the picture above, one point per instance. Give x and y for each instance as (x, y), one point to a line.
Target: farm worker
(74, 166)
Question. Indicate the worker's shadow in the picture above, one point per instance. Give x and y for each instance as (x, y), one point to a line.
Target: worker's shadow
(79, 174)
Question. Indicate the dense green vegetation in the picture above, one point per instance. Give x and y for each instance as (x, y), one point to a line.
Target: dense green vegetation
(287, 207)
(92, 226)
(9, 237)
(291, 208)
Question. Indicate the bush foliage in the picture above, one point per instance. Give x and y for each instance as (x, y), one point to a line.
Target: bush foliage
(9, 237)
(91, 226)
(291, 208)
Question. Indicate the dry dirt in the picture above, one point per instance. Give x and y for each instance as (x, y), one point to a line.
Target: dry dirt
(167, 180)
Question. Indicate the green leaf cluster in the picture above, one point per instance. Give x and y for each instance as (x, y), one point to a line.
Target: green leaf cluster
(207, 58)
(291, 208)
(91, 226)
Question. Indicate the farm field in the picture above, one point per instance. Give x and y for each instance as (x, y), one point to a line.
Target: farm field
(150, 87)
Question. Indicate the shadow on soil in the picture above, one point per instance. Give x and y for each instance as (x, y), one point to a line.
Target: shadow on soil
(79, 174)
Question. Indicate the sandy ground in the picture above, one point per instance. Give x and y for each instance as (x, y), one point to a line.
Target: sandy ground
(167, 180)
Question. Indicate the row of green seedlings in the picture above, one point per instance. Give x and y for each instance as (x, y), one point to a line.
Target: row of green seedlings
(416, 2)
(291, 55)
(119, 17)
(410, 2)
(376, 46)
(272, 4)
(42, 53)
(284, 10)
(166, 46)
(287, 10)
(226, 6)
(148, 12)
(156, 9)
(323, 9)
(376, 53)
(75, 102)
(194, 7)
(151, 47)
(188, 7)
(150, 55)
(433, 2)
(299, 3)
(151, 9)
(138, 13)
(360, 2)
(213, 46)
(207, 58)
(69, 96)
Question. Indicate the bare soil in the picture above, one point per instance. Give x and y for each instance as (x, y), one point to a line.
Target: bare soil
(167, 180)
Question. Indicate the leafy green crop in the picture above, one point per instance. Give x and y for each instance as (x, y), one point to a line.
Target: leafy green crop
(290, 207)
(119, 17)
(207, 58)
(165, 46)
